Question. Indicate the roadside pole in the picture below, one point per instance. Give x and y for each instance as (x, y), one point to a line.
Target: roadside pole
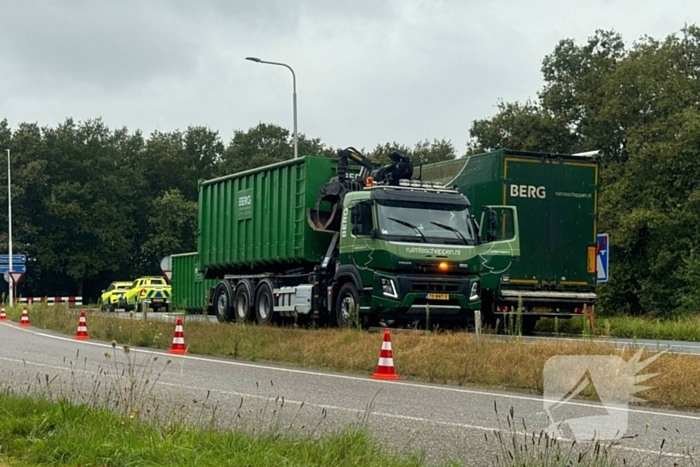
(9, 228)
(477, 325)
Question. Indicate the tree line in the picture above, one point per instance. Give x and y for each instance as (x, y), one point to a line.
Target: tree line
(92, 204)
(641, 106)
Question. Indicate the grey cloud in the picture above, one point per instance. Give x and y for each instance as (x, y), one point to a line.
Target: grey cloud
(368, 71)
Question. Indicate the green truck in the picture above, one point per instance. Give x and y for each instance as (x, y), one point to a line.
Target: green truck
(556, 196)
(341, 240)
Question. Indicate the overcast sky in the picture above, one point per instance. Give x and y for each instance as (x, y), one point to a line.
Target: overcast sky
(368, 71)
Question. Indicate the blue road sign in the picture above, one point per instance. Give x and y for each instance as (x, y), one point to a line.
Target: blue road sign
(603, 258)
(15, 268)
(16, 259)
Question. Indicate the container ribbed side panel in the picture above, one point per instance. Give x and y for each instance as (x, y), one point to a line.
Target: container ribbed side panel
(255, 221)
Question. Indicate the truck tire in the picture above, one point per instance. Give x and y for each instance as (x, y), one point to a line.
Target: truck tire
(243, 300)
(264, 302)
(222, 301)
(529, 323)
(345, 303)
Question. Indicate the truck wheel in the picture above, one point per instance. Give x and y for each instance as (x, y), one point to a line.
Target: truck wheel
(222, 302)
(243, 300)
(264, 303)
(529, 323)
(345, 304)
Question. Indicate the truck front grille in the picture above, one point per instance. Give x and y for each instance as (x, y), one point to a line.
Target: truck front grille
(444, 287)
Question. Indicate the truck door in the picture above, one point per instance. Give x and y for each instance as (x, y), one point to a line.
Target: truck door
(526, 186)
(556, 200)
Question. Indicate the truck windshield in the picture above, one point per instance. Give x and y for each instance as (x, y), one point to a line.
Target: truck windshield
(426, 222)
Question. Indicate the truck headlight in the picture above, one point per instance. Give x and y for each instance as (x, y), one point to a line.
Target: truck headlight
(475, 291)
(388, 287)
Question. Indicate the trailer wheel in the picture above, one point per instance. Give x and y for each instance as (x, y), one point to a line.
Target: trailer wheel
(243, 300)
(264, 301)
(345, 304)
(222, 301)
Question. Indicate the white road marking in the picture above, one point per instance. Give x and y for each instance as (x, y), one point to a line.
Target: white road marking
(358, 378)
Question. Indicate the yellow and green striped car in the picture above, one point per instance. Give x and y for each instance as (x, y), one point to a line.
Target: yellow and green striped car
(153, 292)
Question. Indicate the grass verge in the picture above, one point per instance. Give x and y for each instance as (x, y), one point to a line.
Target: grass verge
(439, 357)
(39, 432)
(633, 327)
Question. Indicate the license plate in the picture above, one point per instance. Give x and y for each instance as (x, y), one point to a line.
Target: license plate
(157, 300)
(542, 309)
(438, 296)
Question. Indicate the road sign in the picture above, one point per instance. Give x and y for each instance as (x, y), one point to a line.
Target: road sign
(15, 268)
(16, 259)
(603, 258)
(166, 267)
(16, 276)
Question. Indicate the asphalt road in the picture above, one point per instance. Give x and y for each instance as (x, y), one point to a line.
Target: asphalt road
(448, 423)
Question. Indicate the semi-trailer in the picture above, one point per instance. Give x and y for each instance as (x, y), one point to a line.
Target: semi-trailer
(556, 196)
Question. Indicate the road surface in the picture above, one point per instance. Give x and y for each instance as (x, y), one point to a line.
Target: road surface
(448, 423)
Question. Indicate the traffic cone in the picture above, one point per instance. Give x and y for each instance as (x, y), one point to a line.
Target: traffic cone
(82, 328)
(385, 367)
(25, 317)
(3, 316)
(178, 346)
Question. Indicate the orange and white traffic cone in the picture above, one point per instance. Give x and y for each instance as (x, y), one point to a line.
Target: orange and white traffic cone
(3, 316)
(25, 317)
(178, 346)
(82, 328)
(385, 367)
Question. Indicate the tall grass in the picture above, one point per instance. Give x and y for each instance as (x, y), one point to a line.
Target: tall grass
(520, 447)
(681, 329)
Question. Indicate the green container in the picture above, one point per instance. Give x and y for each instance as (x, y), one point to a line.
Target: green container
(255, 221)
(190, 289)
(556, 196)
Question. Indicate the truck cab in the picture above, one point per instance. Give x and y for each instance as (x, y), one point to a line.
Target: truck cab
(409, 250)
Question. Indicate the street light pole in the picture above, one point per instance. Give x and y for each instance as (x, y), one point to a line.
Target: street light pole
(9, 229)
(294, 84)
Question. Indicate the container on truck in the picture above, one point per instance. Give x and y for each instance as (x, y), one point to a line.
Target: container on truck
(341, 240)
(556, 196)
(190, 289)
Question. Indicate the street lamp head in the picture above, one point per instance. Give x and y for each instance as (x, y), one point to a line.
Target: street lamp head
(253, 59)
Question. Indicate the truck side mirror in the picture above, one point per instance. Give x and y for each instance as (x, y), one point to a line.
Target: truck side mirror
(498, 223)
(491, 232)
(361, 218)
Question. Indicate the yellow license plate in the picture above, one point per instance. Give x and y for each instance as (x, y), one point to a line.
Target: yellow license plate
(542, 309)
(438, 296)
